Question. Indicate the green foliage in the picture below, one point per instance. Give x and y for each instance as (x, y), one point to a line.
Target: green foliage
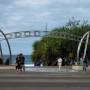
(48, 49)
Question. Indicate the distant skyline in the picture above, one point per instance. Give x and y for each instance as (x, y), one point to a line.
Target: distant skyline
(21, 15)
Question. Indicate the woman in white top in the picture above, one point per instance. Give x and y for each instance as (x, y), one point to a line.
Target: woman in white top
(59, 62)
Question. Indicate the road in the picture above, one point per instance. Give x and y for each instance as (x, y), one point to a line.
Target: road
(12, 80)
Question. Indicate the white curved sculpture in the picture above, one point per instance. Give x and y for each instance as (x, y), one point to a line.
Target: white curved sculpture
(79, 46)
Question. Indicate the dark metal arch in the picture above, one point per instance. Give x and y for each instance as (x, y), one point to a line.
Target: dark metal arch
(10, 58)
(1, 50)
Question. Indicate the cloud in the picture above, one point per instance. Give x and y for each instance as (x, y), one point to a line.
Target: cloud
(22, 13)
(19, 15)
(31, 3)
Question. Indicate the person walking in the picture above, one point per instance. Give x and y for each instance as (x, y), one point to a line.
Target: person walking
(18, 63)
(59, 63)
(85, 65)
(22, 62)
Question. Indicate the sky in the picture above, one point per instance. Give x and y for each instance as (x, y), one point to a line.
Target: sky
(23, 15)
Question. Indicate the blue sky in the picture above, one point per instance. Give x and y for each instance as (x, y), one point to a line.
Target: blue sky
(21, 15)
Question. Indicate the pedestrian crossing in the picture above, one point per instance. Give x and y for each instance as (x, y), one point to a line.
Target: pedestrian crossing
(48, 69)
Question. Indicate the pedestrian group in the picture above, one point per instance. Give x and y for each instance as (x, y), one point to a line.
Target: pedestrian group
(20, 61)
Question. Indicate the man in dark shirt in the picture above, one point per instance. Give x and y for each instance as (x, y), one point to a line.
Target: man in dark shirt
(22, 61)
(18, 63)
(85, 64)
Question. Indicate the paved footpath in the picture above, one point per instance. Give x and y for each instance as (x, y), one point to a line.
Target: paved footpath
(44, 80)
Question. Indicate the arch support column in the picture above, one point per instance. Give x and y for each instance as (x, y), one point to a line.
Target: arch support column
(79, 46)
(1, 50)
(10, 58)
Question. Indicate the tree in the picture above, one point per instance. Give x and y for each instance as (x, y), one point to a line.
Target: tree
(49, 48)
